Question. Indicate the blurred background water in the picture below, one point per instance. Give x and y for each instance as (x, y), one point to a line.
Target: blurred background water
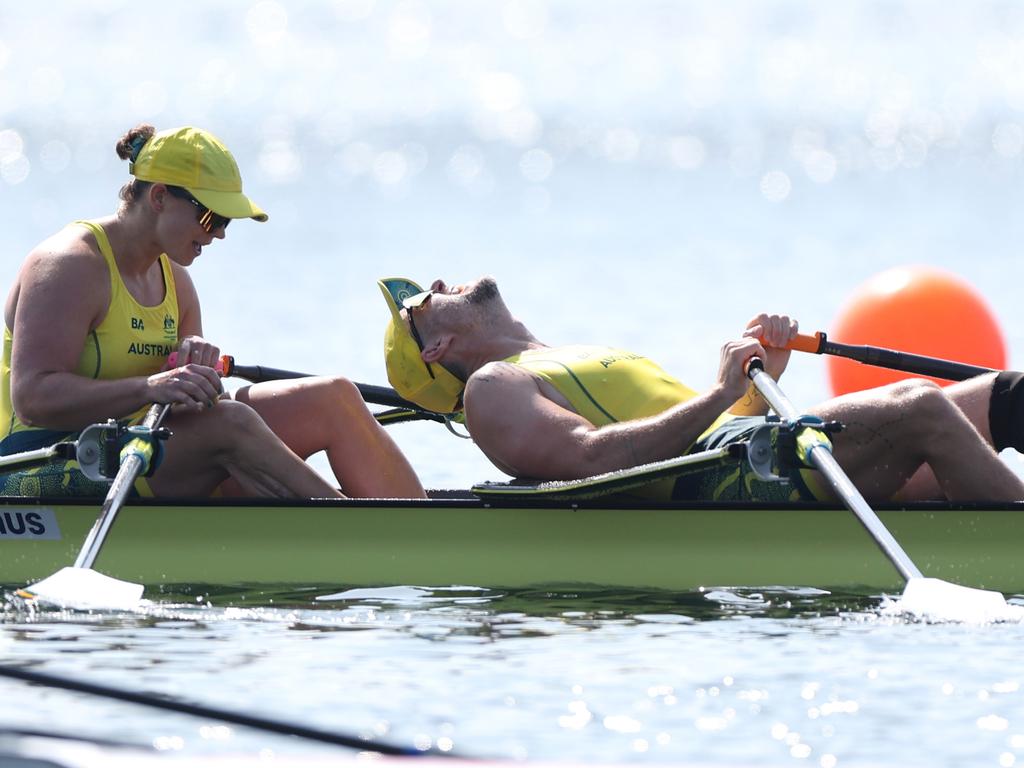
(648, 174)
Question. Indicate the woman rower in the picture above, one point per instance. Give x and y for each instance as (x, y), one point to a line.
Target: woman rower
(96, 309)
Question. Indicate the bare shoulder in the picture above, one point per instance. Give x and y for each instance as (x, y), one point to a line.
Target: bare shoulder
(496, 393)
(520, 426)
(498, 379)
(72, 252)
(503, 396)
(64, 279)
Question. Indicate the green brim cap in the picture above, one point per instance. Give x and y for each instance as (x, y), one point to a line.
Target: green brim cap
(407, 371)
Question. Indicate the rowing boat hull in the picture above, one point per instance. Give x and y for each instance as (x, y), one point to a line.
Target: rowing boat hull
(446, 542)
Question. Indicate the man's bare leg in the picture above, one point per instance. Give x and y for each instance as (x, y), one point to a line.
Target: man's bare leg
(973, 397)
(892, 431)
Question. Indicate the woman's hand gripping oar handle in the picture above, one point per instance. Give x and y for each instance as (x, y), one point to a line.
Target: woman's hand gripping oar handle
(921, 365)
(821, 458)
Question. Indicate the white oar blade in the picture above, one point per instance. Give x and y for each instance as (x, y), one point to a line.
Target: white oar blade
(938, 600)
(84, 589)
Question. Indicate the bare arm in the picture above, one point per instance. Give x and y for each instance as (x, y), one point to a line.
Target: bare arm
(62, 294)
(525, 433)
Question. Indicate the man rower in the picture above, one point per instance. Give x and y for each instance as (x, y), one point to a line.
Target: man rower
(567, 412)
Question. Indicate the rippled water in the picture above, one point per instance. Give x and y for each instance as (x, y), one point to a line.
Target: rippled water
(649, 174)
(724, 677)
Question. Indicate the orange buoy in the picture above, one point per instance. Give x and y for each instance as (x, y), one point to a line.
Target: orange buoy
(922, 310)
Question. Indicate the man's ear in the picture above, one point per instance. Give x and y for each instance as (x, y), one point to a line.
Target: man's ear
(437, 348)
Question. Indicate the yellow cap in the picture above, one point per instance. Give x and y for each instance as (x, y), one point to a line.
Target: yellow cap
(196, 160)
(434, 388)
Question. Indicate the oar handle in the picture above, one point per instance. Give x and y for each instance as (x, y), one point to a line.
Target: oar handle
(371, 393)
(881, 357)
(224, 363)
(807, 343)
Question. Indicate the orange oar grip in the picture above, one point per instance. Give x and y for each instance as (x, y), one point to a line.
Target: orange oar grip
(806, 343)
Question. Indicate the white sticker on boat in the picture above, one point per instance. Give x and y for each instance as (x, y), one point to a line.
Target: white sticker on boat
(30, 523)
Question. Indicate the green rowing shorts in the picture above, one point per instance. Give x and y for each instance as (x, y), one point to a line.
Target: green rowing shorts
(738, 482)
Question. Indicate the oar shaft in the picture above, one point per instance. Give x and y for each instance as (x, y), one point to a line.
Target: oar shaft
(371, 393)
(257, 374)
(116, 496)
(826, 464)
(921, 365)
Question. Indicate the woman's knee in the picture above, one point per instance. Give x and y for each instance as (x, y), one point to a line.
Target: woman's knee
(343, 389)
(338, 396)
(228, 419)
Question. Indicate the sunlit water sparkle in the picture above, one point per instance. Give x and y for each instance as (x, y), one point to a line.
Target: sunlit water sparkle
(717, 677)
(648, 174)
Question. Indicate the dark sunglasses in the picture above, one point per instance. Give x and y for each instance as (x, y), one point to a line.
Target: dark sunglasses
(409, 304)
(208, 220)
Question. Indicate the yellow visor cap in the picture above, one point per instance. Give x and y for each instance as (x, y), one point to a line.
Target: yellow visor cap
(198, 161)
(407, 371)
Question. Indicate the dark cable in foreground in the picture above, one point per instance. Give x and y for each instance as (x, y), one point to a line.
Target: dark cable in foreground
(214, 713)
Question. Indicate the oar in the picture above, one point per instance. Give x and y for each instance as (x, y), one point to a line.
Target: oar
(929, 597)
(401, 409)
(888, 358)
(157, 701)
(79, 586)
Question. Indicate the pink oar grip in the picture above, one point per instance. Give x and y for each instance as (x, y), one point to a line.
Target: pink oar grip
(221, 366)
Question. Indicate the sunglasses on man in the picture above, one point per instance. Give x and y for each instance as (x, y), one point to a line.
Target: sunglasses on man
(409, 304)
(208, 220)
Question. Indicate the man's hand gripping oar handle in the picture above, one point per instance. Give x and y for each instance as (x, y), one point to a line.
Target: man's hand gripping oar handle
(821, 458)
(921, 365)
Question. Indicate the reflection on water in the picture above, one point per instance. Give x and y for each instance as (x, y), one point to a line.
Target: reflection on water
(720, 676)
(677, 165)
(476, 610)
(322, 606)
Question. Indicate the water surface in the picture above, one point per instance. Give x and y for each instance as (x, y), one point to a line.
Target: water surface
(646, 174)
